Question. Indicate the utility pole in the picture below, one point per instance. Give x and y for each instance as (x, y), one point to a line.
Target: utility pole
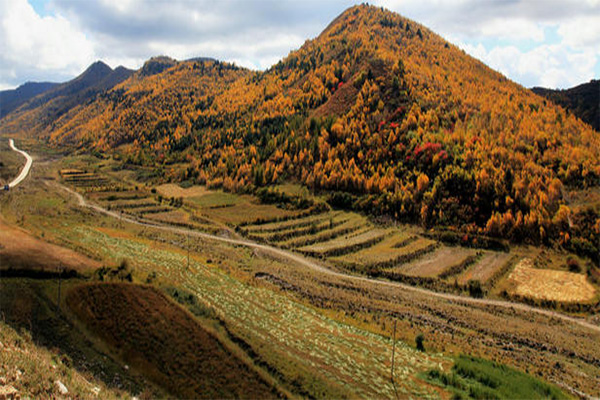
(188, 251)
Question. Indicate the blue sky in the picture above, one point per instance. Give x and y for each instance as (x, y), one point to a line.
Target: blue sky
(551, 43)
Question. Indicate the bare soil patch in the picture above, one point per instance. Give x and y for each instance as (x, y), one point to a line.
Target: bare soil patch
(20, 250)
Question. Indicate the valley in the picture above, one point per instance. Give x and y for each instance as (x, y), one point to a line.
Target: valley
(277, 291)
(376, 215)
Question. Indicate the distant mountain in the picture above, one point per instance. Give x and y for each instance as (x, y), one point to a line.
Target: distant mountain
(12, 99)
(378, 112)
(48, 107)
(582, 100)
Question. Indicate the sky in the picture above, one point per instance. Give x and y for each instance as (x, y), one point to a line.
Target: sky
(550, 43)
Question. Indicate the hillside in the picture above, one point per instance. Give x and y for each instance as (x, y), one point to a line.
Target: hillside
(379, 110)
(29, 370)
(582, 100)
(13, 99)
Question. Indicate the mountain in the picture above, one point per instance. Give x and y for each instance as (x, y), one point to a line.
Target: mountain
(156, 65)
(378, 112)
(582, 100)
(49, 106)
(12, 99)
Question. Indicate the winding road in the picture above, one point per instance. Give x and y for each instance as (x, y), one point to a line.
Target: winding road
(306, 262)
(26, 168)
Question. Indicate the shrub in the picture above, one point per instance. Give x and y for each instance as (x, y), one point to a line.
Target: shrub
(573, 265)
(475, 289)
(419, 340)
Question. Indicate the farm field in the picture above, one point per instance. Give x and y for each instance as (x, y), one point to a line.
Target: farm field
(174, 190)
(548, 284)
(440, 262)
(489, 264)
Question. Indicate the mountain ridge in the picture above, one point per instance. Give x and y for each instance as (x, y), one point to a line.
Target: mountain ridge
(583, 100)
(13, 98)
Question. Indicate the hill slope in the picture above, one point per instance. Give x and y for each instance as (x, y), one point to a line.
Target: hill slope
(377, 107)
(12, 99)
(583, 100)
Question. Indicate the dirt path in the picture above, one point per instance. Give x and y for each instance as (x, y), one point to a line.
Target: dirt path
(25, 169)
(301, 260)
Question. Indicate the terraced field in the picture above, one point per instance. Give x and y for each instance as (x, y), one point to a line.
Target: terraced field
(346, 240)
(443, 262)
(350, 361)
(484, 269)
(351, 242)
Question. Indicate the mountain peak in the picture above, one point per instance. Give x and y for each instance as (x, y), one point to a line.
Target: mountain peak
(156, 65)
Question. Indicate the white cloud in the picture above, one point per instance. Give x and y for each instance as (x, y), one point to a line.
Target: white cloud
(34, 43)
(553, 43)
(551, 66)
(583, 31)
(550, 42)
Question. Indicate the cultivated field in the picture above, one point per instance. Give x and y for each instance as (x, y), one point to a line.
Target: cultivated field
(488, 265)
(442, 262)
(548, 284)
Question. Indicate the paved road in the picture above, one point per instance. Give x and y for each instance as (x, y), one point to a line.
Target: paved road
(306, 262)
(25, 169)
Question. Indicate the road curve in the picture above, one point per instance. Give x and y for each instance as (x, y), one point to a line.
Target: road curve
(296, 258)
(26, 168)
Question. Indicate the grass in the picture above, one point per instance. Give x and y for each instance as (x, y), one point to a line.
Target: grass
(11, 162)
(21, 250)
(39, 368)
(475, 378)
(29, 305)
(216, 199)
(157, 336)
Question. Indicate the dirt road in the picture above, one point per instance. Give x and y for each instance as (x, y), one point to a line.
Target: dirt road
(26, 168)
(306, 262)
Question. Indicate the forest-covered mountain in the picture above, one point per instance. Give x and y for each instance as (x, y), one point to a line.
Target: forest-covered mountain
(379, 111)
(582, 100)
(13, 98)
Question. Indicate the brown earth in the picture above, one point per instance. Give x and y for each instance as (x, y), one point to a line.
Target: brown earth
(163, 341)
